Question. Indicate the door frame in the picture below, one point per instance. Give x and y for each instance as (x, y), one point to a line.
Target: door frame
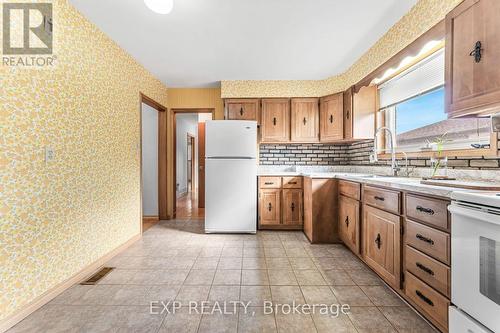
(192, 142)
(162, 157)
(174, 158)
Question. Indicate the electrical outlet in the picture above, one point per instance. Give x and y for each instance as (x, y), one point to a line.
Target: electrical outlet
(50, 154)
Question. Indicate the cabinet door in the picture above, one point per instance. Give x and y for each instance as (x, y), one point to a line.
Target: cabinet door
(242, 109)
(349, 222)
(347, 106)
(305, 119)
(473, 83)
(331, 118)
(269, 206)
(292, 207)
(381, 244)
(275, 120)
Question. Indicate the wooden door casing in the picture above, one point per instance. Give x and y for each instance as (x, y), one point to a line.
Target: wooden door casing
(270, 206)
(349, 223)
(292, 206)
(275, 120)
(382, 244)
(305, 120)
(331, 118)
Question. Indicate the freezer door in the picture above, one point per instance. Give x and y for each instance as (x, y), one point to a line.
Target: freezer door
(231, 196)
(231, 138)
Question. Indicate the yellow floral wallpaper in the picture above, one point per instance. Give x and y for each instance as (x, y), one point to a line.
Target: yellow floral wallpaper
(424, 15)
(58, 217)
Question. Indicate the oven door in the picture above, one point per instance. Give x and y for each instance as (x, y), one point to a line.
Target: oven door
(475, 262)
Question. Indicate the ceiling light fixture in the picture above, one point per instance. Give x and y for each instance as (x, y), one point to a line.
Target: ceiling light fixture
(160, 6)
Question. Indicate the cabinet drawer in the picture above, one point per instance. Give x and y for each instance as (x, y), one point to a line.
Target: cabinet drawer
(350, 189)
(383, 199)
(430, 211)
(292, 182)
(428, 240)
(430, 301)
(269, 182)
(428, 270)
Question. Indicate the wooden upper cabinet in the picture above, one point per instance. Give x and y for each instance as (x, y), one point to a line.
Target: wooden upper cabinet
(331, 119)
(382, 244)
(349, 222)
(275, 120)
(305, 119)
(292, 206)
(364, 109)
(347, 106)
(242, 109)
(269, 206)
(473, 69)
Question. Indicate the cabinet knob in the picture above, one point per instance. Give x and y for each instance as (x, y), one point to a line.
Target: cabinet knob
(331, 119)
(378, 241)
(347, 221)
(274, 121)
(269, 207)
(477, 52)
(241, 111)
(304, 120)
(292, 206)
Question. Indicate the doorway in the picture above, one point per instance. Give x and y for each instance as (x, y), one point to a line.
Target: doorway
(153, 166)
(189, 161)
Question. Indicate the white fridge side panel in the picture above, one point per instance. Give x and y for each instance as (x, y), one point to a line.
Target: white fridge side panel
(231, 138)
(231, 196)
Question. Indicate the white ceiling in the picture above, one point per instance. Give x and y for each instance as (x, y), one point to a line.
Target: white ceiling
(204, 41)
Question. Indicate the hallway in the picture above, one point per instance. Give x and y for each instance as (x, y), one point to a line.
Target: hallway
(175, 260)
(187, 207)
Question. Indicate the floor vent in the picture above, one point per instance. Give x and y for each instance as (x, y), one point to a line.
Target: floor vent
(97, 276)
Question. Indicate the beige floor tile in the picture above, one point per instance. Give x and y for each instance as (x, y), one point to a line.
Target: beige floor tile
(253, 252)
(219, 323)
(287, 295)
(405, 320)
(278, 263)
(232, 252)
(227, 277)
(280, 277)
(294, 323)
(338, 277)
(138, 318)
(364, 277)
(296, 252)
(182, 321)
(254, 263)
(230, 263)
(200, 277)
(352, 295)
(172, 276)
(310, 278)
(275, 252)
(370, 319)
(210, 252)
(318, 295)
(382, 296)
(224, 294)
(163, 292)
(181, 263)
(192, 293)
(206, 263)
(118, 276)
(302, 263)
(72, 295)
(254, 277)
(255, 320)
(256, 295)
(327, 323)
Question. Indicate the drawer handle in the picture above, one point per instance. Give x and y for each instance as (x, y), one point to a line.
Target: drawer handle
(424, 298)
(241, 111)
(292, 206)
(347, 221)
(269, 207)
(274, 121)
(425, 269)
(378, 241)
(425, 210)
(268, 183)
(304, 120)
(292, 183)
(379, 198)
(425, 239)
(331, 119)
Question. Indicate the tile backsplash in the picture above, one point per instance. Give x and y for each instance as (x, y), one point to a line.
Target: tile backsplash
(357, 153)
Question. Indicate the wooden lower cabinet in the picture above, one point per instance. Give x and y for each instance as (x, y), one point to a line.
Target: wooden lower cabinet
(269, 206)
(349, 223)
(382, 244)
(292, 207)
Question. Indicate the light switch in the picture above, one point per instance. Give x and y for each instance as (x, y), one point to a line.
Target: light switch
(50, 154)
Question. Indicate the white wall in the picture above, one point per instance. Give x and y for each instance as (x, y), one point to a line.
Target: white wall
(185, 123)
(149, 161)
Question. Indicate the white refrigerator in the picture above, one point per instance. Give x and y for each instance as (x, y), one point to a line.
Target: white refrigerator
(230, 176)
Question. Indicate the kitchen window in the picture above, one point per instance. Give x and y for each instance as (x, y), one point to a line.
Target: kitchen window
(412, 105)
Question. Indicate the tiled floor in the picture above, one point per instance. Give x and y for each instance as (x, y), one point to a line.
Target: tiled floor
(176, 261)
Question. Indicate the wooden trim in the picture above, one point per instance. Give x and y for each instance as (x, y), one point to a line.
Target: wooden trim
(26, 310)
(150, 219)
(174, 159)
(437, 32)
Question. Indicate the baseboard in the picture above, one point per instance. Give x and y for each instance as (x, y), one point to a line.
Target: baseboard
(150, 219)
(50, 294)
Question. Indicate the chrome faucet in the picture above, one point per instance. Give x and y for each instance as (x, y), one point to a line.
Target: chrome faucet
(394, 165)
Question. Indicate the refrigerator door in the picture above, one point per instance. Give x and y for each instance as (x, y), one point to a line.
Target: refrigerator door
(231, 196)
(231, 138)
